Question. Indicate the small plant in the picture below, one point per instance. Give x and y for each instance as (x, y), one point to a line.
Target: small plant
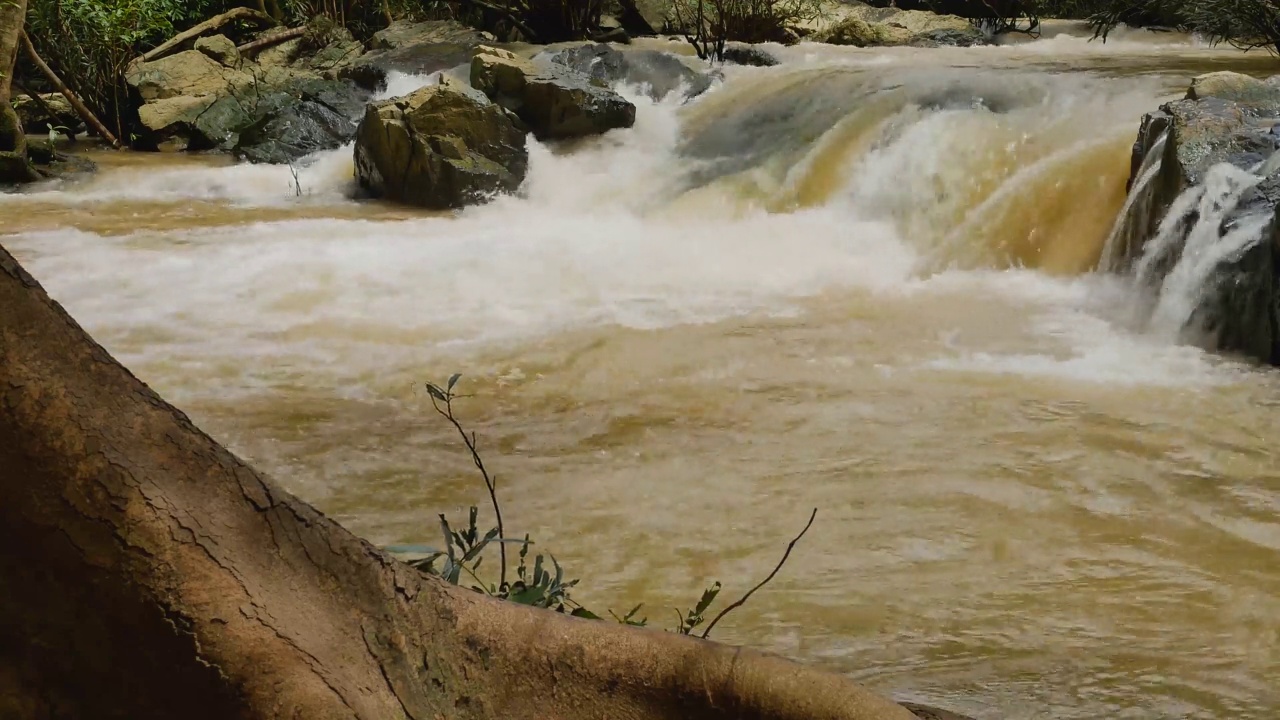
(460, 560)
(708, 24)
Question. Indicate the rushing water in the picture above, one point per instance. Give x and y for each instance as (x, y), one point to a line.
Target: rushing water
(859, 281)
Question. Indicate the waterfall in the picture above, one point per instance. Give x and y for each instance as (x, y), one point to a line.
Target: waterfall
(1202, 231)
(1137, 204)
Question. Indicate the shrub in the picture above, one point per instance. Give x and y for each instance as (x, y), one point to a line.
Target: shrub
(709, 24)
(537, 585)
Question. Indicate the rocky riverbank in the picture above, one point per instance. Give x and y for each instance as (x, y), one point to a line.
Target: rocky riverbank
(1200, 230)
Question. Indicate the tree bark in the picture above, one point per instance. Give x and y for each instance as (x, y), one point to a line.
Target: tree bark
(149, 573)
(15, 166)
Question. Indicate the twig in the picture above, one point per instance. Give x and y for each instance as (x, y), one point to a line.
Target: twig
(776, 568)
(490, 483)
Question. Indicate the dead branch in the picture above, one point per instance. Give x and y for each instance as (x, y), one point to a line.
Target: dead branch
(273, 39)
(85, 114)
(213, 23)
(742, 601)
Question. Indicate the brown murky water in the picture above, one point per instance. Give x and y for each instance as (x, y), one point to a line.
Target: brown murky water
(840, 283)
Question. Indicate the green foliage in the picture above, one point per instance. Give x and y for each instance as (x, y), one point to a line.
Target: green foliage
(709, 24)
(1246, 24)
(90, 42)
(460, 560)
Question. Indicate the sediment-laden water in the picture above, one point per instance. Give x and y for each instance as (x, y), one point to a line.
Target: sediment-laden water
(861, 281)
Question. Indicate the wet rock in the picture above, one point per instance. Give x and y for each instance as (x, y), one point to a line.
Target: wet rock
(439, 147)
(554, 103)
(306, 116)
(220, 49)
(865, 26)
(659, 73)
(36, 121)
(415, 48)
(264, 114)
(739, 54)
(1225, 120)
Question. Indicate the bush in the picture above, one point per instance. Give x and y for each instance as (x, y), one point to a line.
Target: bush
(537, 585)
(709, 24)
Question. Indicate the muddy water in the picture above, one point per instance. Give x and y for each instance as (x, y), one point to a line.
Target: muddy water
(859, 282)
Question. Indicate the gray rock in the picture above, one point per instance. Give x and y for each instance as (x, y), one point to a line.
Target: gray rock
(554, 103)
(661, 73)
(414, 48)
(264, 114)
(740, 54)
(1226, 118)
(220, 49)
(439, 148)
(34, 119)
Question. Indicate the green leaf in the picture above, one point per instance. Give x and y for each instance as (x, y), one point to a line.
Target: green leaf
(708, 597)
(479, 547)
(585, 613)
(436, 392)
(453, 380)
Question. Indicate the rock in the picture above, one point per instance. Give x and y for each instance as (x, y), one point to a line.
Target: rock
(611, 35)
(55, 164)
(660, 73)
(414, 48)
(34, 119)
(646, 17)
(740, 54)
(865, 26)
(304, 117)
(264, 114)
(555, 104)
(432, 32)
(281, 54)
(220, 49)
(186, 74)
(1226, 121)
(1248, 92)
(439, 147)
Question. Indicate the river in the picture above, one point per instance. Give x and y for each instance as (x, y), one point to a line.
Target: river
(859, 281)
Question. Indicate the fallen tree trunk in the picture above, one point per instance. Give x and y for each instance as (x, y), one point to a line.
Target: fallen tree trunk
(84, 112)
(149, 573)
(214, 23)
(272, 39)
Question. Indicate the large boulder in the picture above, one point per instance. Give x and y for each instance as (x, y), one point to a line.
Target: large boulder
(220, 49)
(861, 25)
(439, 147)
(52, 109)
(276, 114)
(658, 72)
(415, 49)
(554, 103)
(1204, 188)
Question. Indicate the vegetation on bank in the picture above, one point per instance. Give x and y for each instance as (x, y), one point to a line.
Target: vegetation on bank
(89, 44)
(536, 585)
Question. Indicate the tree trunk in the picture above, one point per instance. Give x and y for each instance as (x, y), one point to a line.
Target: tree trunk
(15, 167)
(149, 573)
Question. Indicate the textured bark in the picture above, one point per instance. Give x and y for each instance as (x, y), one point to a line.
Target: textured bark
(15, 167)
(147, 572)
(13, 15)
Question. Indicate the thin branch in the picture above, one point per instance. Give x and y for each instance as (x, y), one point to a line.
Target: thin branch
(490, 483)
(776, 568)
